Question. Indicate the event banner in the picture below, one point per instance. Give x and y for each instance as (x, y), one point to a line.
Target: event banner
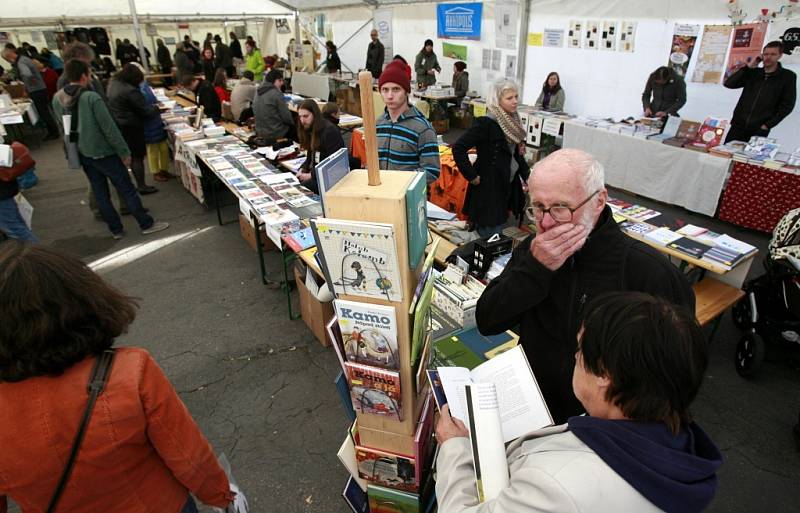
(382, 22)
(459, 21)
(748, 40)
(789, 33)
(711, 57)
(683, 41)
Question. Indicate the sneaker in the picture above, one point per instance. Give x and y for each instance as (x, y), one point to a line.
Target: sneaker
(118, 235)
(156, 227)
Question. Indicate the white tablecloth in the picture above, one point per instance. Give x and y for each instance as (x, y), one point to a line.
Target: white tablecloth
(677, 176)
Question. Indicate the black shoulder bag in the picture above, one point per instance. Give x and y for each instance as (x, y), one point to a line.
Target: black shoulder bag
(97, 382)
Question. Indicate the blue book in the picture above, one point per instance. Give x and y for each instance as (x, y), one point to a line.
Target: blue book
(480, 344)
(344, 394)
(416, 220)
(355, 497)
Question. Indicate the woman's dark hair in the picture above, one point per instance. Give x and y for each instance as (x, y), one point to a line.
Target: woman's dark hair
(399, 57)
(331, 47)
(75, 69)
(546, 87)
(428, 42)
(460, 65)
(309, 138)
(662, 74)
(54, 311)
(130, 74)
(653, 352)
(220, 78)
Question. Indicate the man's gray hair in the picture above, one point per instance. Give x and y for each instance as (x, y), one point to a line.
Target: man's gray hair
(498, 88)
(78, 51)
(591, 171)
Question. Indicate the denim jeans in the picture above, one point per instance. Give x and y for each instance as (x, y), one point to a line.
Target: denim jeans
(112, 168)
(190, 506)
(488, 231)
(11, 222)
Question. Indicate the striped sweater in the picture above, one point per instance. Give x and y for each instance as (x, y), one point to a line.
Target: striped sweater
(408, 144)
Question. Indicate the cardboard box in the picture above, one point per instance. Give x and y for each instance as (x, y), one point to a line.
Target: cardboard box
(315, 314)
(16, 90)
(248, 234)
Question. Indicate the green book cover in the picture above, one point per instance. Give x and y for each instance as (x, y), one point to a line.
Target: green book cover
(387, 500)
(451, 352)
(416, 220)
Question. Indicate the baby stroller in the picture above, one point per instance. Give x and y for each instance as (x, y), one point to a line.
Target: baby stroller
(770, 309)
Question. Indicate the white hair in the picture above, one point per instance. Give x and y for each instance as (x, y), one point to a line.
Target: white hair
(498, 88)
(591, 171)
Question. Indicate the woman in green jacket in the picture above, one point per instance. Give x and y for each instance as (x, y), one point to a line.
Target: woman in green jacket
(552, 97)
(427, 65)
(255, 62)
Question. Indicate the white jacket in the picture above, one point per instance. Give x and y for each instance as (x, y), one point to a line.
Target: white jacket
(551, 471)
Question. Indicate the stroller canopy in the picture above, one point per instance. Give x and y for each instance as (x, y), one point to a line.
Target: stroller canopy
(786, 237)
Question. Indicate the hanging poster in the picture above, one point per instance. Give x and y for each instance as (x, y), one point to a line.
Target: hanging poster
(458, 52)
(711, 56)
(591, 39)
(748, 40)
(50, 39)
(511, 66)
(497, 55)
(789, 33)
(535, 39)
(459, 21)
(486, 62)
(554, 38)
(683, 40)
(608, 38)
(382, 22)
(505, 25)
(575, 34)
(627, 36)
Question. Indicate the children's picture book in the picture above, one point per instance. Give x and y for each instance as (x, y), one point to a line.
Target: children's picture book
(369, 333)
(416, 220)
(710, 134)
(486, 345)
(436, 388)
(521, 406)
(388, 500)
(347, 455)
(344, 395)
(386, 468)
(375, 391)
(297, 235)
(360, 259)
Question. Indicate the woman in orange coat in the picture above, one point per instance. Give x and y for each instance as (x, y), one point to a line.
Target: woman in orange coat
(142, 451)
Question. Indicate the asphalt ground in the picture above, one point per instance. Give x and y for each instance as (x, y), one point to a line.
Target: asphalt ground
(261, 387)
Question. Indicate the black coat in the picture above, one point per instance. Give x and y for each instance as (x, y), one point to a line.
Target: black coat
(207, 98)
(224, 56)
(236, 49)
(164, 59)
(375, 56)
(330, 141)
(546, 306)
(128, 105)
(488, 203)
(766, 99)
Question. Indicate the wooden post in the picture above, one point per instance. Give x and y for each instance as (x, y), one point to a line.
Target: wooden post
(370, 138)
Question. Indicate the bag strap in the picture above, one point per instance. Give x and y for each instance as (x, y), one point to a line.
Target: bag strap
(73, 122)
(97, 382)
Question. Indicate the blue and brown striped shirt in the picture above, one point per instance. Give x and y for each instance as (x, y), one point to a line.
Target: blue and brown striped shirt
(408, 144)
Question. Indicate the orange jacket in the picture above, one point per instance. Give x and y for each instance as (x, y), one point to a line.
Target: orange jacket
(142, 452)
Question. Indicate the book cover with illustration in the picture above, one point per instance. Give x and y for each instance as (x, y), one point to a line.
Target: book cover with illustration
(387, 500)
(416, 220)
(386, 468)
(369, 333)
(375, 391)
(360, 259)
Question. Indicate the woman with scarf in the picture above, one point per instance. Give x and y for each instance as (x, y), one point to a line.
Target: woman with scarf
(497, 178)
(552, 97)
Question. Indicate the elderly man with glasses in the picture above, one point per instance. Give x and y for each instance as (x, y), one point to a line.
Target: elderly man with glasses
(577, 253)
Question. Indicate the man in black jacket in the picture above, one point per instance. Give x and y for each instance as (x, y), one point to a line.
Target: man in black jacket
(205, 96)
(768, 94)
(578, 253)
(375, 55)
(224, 57)
(164, 60)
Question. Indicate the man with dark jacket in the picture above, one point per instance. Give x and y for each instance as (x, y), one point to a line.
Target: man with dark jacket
(205, 96)
(273, 118)
(578, 252)
(129, 53)
(224, 57)
(768, 94)
(236, 47)
(35, 86)
(184, 65)
(664, 93)
(375, 55)
(164, 60)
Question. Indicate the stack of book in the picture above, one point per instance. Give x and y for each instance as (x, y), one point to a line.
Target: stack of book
(687, 131)
(758, 150)
(711, 134)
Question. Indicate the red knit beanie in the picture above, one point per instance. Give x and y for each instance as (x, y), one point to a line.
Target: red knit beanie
(395, 72)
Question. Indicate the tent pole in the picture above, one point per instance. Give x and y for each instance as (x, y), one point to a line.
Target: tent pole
(522, 47)
(138, 31)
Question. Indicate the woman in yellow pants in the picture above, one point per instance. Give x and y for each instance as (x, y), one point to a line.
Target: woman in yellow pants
(155, 138)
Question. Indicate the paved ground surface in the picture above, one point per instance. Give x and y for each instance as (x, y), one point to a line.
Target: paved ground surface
(261, 387)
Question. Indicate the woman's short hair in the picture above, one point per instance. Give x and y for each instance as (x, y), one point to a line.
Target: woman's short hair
(130, 74)
(54, 311)
(460, 65)
(497, 89)
(653, 351)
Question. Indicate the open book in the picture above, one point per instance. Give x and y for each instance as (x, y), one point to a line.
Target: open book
(520, 405)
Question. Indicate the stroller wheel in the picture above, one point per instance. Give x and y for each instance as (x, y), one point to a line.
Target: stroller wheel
(749, 354)
(741, 312)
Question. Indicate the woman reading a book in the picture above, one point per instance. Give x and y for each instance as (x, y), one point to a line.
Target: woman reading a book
(639, 365)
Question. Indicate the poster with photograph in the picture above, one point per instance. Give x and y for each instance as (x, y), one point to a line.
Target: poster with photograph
(486, 61)
(627, 35)
(591, 39)
(711, 56)
(511, 66)
(505, 25)
(497, 56)
(575, 34)
(683, 40)
(458, 52)
(748, 39)
(788, 32)
(608, 38)
(553, 38)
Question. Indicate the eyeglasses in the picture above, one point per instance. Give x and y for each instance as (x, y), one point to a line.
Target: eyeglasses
(559, 213)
